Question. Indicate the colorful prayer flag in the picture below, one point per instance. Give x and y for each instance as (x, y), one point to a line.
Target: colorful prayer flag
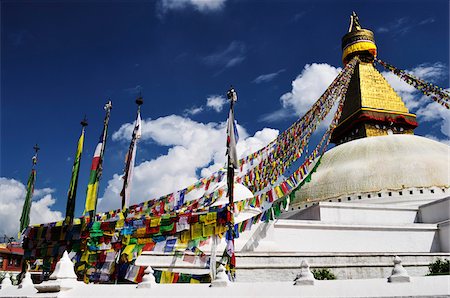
(72, 193)
(129, 162)
(96, 167)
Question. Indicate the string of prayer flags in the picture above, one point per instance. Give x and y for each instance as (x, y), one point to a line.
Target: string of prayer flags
(436, 93)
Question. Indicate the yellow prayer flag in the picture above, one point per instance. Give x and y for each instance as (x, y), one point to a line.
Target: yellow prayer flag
(279, 192)
(126, 239)
(155, 222)
(185, 236)
(202, 218)
(141, 232)
(196, 230)
(91, 196)
(166, 277)
(208, 230)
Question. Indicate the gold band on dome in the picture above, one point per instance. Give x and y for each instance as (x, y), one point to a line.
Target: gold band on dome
(359, 47)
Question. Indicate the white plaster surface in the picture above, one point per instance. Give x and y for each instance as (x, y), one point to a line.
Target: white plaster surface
(435, 286)
(312, 236)
(444, 236)
(435, 212)
(351, 213)
(379, 163)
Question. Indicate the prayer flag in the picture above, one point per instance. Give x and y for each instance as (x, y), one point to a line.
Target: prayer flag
(232, 139)
(72, 193)
(129, 162)
(25, 217)
(96, 167)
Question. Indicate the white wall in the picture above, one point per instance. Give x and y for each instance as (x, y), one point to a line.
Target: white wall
(309, 236)
(436, 211)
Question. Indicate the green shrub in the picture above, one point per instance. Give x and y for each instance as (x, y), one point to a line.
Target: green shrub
(323, 274)
(439, 267)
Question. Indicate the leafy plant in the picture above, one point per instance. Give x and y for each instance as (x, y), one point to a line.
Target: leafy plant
(323, 274)
(439, 267)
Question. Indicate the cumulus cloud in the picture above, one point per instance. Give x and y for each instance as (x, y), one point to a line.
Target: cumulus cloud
(216, 102)
(229, 57)
(12, 197)
(194, 148)
(264, 78)
(307, 87)
(200, 5)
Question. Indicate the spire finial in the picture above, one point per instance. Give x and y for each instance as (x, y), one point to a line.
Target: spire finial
(140, 99)
(84, 121)
(231, 94)
(36, 148)
(108, 105)
(354, 22)
(34, 158)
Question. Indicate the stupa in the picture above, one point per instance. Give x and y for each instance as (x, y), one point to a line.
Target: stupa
(381, 191)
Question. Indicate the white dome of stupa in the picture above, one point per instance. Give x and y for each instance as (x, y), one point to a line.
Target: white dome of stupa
(391, 162)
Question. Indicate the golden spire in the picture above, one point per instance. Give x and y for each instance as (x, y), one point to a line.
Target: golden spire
(372, 107)
(358, 41)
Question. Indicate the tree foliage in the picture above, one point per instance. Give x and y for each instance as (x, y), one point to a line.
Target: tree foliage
(323, 274)
(439, 267)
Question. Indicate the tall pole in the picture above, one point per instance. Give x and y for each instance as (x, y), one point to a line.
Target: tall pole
(231, 165)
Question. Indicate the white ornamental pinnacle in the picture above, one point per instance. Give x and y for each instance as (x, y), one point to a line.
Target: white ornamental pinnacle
(6, 282)
(148, 280)
(62, 279)
(221, 278)
(64, 269)
(399, 274)
(26, 281)
(305, 277)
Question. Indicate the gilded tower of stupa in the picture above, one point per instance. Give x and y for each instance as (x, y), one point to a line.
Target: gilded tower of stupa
(372, 107)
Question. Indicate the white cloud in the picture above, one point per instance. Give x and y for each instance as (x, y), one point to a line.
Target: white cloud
(200, 5)
(216, 102)
(264, 78)
(229, 57)
(194, 148)
(309, 86)
(306, 89)
(193, 111)
(12, 197)
(276, 115)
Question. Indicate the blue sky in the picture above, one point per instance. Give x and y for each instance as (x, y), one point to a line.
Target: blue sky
(61, 60)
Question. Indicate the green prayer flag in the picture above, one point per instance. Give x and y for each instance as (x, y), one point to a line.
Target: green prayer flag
(72, 193)
(25, 217)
